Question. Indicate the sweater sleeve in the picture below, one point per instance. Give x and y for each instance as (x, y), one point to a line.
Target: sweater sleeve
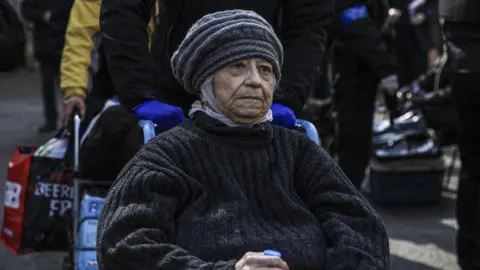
(136, 229)
(357, 236)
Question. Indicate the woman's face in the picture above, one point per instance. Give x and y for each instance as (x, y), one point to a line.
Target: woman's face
(244, 89)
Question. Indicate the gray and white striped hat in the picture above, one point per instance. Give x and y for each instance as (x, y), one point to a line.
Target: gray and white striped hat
(221, 38)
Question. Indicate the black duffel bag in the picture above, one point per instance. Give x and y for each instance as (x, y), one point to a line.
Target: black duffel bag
(112, 142)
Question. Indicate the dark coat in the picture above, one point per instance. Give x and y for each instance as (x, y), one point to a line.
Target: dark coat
(362, 38)
(300, 24)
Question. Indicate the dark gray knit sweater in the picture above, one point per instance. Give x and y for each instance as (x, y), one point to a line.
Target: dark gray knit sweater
(202, 195)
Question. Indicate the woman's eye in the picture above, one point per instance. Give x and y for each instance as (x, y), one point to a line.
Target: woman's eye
(237, 66)
(265, 69)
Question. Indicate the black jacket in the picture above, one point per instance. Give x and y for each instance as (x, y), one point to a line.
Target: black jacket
(363, 38)
(49, 38)
(301, 27)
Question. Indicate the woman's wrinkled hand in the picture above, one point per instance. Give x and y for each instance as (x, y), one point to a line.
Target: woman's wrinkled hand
(259, 261)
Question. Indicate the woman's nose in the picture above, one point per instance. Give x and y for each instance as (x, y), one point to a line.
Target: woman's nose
(254, 77)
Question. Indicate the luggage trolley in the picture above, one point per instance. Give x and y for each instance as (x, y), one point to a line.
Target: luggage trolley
(87, 205)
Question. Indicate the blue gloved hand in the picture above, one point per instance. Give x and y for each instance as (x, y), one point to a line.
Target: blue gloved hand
(164, 115)
(283, 116)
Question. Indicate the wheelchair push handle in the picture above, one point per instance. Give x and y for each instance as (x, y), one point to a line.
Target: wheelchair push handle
(309, 129)
(148, 128)
(77, 120)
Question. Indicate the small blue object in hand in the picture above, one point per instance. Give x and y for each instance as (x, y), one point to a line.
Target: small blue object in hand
(270, 252)
(283, 116)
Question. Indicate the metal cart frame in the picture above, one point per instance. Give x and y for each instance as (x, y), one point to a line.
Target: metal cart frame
(80, 185)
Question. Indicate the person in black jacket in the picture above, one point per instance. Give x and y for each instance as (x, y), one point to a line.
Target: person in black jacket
(362, 66)
(462, 31)
(50, 19)
(147, 86)
(418, 39)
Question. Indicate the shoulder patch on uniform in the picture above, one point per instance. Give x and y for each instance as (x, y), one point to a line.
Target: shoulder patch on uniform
(353, 14)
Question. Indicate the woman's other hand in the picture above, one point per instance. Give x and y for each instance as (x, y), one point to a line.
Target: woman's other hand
(258, 261)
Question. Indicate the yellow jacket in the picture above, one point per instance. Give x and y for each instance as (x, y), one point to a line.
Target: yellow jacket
(83, 26)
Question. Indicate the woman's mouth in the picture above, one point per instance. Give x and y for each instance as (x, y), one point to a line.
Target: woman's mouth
(250, 97)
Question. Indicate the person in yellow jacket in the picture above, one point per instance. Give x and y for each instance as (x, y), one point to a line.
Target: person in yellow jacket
(81, 40)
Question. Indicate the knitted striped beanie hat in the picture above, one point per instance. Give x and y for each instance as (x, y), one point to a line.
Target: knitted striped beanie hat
(221, 38)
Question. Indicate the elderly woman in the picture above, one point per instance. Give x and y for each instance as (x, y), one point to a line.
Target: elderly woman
(225, 185)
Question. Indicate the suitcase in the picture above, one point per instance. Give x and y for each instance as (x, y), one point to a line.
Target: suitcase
(90, 209)
(406, 182)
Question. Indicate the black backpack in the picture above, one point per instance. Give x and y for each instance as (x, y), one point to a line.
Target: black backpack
(113, 141)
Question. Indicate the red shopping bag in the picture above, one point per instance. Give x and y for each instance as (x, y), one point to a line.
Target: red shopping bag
(38, 202)
(15, 198)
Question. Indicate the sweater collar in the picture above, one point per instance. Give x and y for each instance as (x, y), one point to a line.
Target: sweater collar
(255, 136)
